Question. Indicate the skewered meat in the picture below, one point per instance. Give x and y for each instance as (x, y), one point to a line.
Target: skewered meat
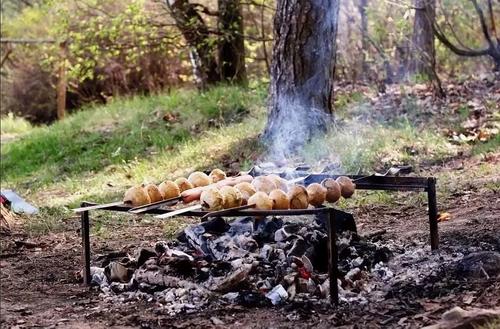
(136, 196)
(199, 179)
(316, 194)
(217, 175)
(212, 199)
(332, 189)
(261, 201)
(232, 197)
(183, 184)
(347, 187)
(246, 189)
(169, 190)
(280, 199)
(264, 184)
(298, 197)
(153, 192)
(279, 182)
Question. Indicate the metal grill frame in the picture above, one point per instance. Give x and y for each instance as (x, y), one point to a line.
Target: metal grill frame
(388, 183)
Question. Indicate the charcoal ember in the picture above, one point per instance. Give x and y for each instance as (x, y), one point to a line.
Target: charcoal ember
(116, 271)
(118, 287)
(161, 247)
(249, 298)
(159, 277)
(266, 252)
(143, 255)
(246, 242)
(112, 256)
(266, 230)
(225, 248)
(233, 280)
(98, 277)
(478, 265)
(298, 248)
(343, 221)
(179, 265)
(241, 226)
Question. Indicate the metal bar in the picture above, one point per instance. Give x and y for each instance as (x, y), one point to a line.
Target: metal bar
(86, 245)
(433, 213)
(332, 258)
(94, 206)
(374, 182)
(226, 211)
(154, 205)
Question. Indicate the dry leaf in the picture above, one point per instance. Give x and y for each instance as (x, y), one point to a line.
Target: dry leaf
(444, 216)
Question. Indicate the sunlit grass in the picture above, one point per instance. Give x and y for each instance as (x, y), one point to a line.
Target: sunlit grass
(9, 124)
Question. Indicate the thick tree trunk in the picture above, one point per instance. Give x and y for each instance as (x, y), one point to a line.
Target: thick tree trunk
(423, 60)
(301, 89)
(231, 44)
(197, 35)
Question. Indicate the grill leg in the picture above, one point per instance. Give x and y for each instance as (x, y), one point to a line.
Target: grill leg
(86, 245)
(433, 212)
(332, 258)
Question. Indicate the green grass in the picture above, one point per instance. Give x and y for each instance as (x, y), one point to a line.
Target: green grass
(361, 148)
(14, 125)
(97, 153)
(491, 145)
(124, 134)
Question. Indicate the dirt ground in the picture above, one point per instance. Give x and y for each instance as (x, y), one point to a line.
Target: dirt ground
(40, 288)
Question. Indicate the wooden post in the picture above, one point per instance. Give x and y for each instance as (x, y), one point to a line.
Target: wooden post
(62, 83)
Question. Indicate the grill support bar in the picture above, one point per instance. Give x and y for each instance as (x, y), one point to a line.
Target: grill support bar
(86, 244)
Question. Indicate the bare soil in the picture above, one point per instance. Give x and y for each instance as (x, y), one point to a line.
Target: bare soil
(40, 286)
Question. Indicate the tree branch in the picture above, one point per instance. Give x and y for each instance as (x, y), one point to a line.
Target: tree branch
(484, 27)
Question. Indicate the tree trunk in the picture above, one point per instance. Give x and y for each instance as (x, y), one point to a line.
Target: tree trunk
(231, 44)
(364, 35)
(423, 60)
(301, 88)
(197, 35)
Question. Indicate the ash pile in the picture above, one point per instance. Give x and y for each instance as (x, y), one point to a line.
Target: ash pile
(248, 261)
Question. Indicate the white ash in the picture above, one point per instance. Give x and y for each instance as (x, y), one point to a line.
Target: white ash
(274, 262)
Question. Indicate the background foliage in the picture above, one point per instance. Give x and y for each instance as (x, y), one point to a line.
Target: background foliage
(133, 47)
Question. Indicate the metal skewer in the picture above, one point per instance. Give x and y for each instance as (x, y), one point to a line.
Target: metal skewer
(100, 206)
(154, 205)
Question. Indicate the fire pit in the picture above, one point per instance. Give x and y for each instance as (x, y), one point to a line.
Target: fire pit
(332, 216)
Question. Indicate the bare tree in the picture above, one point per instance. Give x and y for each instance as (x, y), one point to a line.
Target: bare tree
(423, 58)
(489, 32)
(302, 70)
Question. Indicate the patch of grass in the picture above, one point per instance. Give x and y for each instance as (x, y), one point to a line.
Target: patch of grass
(48, 219)
(492, 145)
(121, 134)
(361, 148)
(9, 124)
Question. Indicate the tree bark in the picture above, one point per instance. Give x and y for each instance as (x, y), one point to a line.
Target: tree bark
(423, 60)
(197, 35)
(363, 4)
(231, 46)
(302, 70)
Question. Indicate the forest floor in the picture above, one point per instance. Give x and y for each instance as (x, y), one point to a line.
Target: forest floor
(40, 260)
